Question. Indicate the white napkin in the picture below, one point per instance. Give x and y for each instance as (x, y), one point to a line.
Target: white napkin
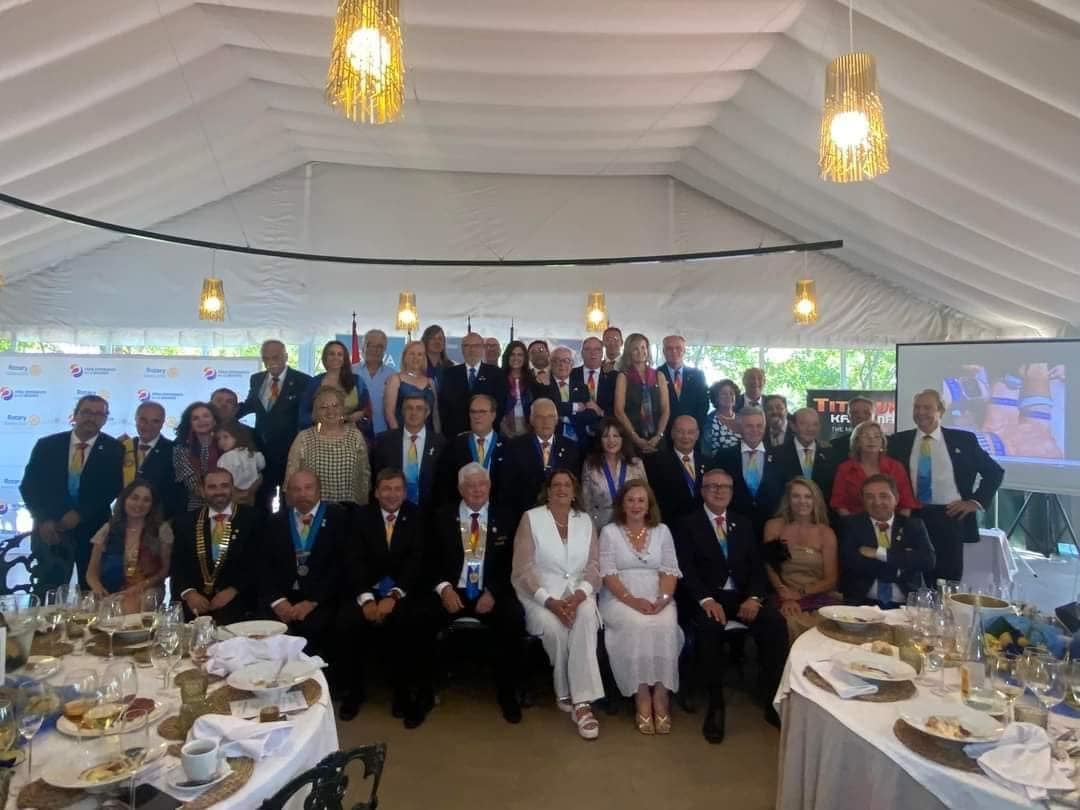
(242, 738)
(236, 653)
(1022, 760)
(846, 685)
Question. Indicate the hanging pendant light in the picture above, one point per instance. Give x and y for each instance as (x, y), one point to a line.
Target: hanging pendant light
(805, 308)
(366, 77)
(853, 141)
(212, 300)
(596, 314)
(408, 318)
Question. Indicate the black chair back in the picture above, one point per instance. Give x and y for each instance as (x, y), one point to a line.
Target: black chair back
(15, 553)
(328, 781)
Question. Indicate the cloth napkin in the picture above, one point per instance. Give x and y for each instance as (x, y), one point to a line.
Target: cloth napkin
(1022, 760)
(236, 653)
(242, 738)
(846, 685)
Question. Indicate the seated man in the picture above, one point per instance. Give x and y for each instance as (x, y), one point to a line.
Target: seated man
(384, 572)
(883, 554)
(472, 548)
(214, 558)
(302, 559)
(723, 580)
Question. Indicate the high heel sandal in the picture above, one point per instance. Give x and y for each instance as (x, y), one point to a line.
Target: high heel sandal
(587, 724)
(663, 723)
(645, 724)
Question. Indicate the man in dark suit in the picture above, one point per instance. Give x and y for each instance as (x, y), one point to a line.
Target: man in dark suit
(385, 594)
(531, 458)
(724, 580)
(777, 421)
(302, 558)
(599, 383)
(677, 471)
(804, 456)
(860, 409)
(577, 410)
(470, 551)
(759, 478)
(474, 376)
(883, 554)
(274, 398)
(148, 455)
(215, 555)
(480, 443)
(687, 391)
(70, 481)
(414, 450)
(753, 395)
(953, 477)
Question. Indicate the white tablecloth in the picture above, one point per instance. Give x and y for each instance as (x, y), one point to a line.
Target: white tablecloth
(314, 736)
(990, 562)
(842, 753)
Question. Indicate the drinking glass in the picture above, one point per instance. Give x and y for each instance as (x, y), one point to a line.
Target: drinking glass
(68, 597)
(165, 650)
(50, 613)
(927, 639)
(110, 618)
(7, 725)
(134, 730)
(174, 614)
(1072, 675)
(83, 685)
(30, 719)
(1045, 677)
(1005, 677)
(203, 636)
(83, 618)
(148, 608)
(124, 676)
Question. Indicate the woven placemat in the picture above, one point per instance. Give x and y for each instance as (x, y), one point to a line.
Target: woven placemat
(949, 754)
(880, 632)
(40, 795)
(242, 768)
(188, 674)
(219, 701)
(99, 646)
(50, 644)
(888, 691)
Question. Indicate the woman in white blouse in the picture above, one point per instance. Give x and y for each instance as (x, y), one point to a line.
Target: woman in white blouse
(556, 578)
(641, 629)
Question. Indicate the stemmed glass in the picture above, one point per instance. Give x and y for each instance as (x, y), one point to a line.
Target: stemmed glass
(166, 650)
(68, 597)
(174, 614)
(927, 640)
(203, 636)
(1046, 677)
(134, 729)
(83, 683)
(124, 676)
(50, 614)
(110, 618)
(30, 720)
(84, 617)
(7, 725)
(148, 608)
(1005, 677)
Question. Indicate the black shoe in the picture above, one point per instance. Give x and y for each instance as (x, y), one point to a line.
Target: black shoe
(400, 703)
(350, 707)
(416, 710)
(713, 728)
(771, 717)
(511, 709)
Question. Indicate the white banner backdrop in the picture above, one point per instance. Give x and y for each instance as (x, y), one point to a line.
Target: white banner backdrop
(38, 393)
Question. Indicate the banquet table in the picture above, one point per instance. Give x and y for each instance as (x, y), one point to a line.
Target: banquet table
(843, 753)
(314, 735)
(990, 563)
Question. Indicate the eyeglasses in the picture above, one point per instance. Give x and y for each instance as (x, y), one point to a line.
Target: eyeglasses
(93, 414)
(716, 487)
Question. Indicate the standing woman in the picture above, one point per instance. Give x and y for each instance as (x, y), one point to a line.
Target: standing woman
(520, 382)
(334, 449)
(411, 381)
(721, 429)
(130, 554)
(435, 357)
(641, 402)
(609, 466)
(338, 374)
(195, 452)
(556, 578)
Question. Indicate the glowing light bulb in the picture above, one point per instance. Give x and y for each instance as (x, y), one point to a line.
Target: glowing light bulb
(212, 304)
(369, 53)
(849, 129)
(804, 306)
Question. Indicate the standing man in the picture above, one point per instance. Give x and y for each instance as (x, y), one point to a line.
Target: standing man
(531, 458)
(678, 470)
(274, 398)
(540, 359)
(600, 386)
(69, 483)
(804, 456)
(776, 415)
(860, 409)
(756, 470)
(954, 479)
(226, 405)
(479, 444)
(687, 391)
(374, 372)
(460, 382)
(414, 450)
(148, 455)
(492, 351)
(753, 380)
(613, 342)
(576, 408)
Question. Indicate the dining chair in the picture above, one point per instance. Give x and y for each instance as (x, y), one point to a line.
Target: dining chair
(328, 781)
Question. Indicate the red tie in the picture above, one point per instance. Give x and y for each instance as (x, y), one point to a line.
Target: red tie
(275, 390)
(592, 383)
(143, 450)
(721, 527)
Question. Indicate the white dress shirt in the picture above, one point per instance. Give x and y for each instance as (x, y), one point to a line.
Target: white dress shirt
(883, 555)
(730, 584)
(406, 440)
(942, 480)
(75, 441)
(465, 513)
(268, 381)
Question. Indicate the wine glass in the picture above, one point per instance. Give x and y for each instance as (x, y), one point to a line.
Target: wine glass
(110, 618)
(30, 720)
(926, 639)
(174, 614)
(1005, 677)
(68, 597)
(134, 729)
(1046, 677)
(124, 675)
(148, 608)
(84, 617)
(202, 637)
(7, 725)
(165, 651)
(49, 615)
(83, 686)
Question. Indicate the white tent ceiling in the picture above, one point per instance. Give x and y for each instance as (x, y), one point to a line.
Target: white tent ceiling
(139, 111)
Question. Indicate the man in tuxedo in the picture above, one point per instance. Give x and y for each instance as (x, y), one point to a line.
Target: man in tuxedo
(274, 398)
(148, 455)
(776, 419)
(687, 390)
(69, 483)
(954, 478)
(540, 360)
(301, 557)
(677, 471)
(613, 342)
(724, 580)
(215, 555)
(753, 381)
(883, 554)
(860, 409)
(414, 450)
(492, 351)
(384, 596)
(759, 477)
(480, 444)
(471, 549)
(530, 459)
(460, 382)
(804, 456)
(576, 407)
(226, 404)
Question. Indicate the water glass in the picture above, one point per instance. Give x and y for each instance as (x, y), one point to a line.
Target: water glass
(83, 617)
(50, 614)
(110, 618)
(1046, 677)
(30, 719)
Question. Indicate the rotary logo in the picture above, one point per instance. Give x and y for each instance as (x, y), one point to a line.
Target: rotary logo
(142, 395)
(6, 393)
(35, 370)
(172, 373)
(209, 373)
(3, 508)
(75, 370)
(34, 420)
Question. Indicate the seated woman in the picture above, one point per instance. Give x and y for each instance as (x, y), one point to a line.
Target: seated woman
(334, 449)
(721, 428)
(130, 554)
(802, 556)
(868, 458)
(556, 578)
(609, 466)
(641, 628)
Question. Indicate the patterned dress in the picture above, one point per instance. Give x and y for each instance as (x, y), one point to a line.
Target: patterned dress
(341, 462)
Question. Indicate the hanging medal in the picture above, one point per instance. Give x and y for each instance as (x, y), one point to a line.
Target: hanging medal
(302, 545)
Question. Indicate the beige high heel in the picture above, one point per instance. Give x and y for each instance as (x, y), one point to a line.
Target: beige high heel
(645, 724)
(663, 723)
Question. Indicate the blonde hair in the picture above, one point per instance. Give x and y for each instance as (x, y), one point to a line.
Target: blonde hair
(625, 361)
(857, 435)
(820, 515)
(405, 352)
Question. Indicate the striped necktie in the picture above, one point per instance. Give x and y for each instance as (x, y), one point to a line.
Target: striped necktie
(721, 534)
(807, 462)
(75, 468)
(390, 527)
(924, 473)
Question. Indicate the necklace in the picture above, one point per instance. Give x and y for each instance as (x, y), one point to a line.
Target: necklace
(636, 538)
(565, 526)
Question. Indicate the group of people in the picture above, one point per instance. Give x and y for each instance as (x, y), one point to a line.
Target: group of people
(603, 508)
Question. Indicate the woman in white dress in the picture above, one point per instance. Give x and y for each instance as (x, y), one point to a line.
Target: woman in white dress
(641, 630)
(556, 578)
(610, 465)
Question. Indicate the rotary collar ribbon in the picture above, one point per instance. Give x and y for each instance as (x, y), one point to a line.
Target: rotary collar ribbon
(210, 578)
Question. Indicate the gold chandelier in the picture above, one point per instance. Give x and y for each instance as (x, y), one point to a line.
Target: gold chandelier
(366, 77)
(805, 302)
(212, 300)
(596, 314)
(408, 318)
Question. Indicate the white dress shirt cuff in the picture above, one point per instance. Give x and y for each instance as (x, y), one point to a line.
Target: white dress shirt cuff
(442, 586)
(277, 602)
(882, 554)
(364, 598)
(585, 587)
(185, 592)
(541, 596)
(399, 592)
(706, 601)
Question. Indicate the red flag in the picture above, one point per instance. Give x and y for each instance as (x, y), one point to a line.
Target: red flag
(355, 342)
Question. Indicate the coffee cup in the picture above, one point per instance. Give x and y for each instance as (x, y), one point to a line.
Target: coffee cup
(200, 760)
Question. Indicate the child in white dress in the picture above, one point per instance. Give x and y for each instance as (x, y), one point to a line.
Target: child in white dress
(239, 456)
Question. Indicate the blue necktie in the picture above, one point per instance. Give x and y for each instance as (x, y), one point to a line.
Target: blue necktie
(752, 471)
(412, 472)
(472, 378)
(924, 473)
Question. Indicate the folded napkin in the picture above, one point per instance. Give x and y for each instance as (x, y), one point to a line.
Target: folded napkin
(235, 653)
(1022, 760)
(846, 685)
(242, 738)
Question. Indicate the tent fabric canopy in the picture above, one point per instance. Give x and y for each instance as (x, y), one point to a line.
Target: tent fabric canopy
(545, 129)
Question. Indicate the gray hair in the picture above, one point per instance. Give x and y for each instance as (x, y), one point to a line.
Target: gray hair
(568, 350)
(749, 410)
(370, 332)
(472, 470)
(545, 400)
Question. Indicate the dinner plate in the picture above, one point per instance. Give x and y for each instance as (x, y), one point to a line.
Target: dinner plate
(257, 677)
(177, 777)
(981, 727)
(873, 667)
(853, 617)
(259, 628)
(132, 630)
(65, 726)
(70, 772)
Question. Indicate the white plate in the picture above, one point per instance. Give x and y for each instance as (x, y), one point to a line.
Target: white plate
(177, 776)
(255, 677)
(873, 667)
(854, 618)
(40, 667)
(65, 726)
(981, 726)
(66, 772)
(257, 628)
(132, 629)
